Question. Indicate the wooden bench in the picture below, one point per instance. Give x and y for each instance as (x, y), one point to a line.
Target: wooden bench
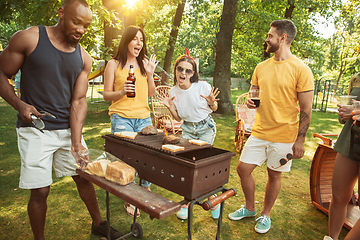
(153, 204)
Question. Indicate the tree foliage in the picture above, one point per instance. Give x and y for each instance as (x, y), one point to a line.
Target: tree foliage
(333, 58)
(18, 14)
(342, 57)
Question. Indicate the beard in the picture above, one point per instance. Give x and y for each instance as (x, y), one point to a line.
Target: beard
(72, 39)
(273, 47)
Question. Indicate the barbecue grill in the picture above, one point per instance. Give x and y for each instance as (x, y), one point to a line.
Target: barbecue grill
(196, 172)
(191, 172)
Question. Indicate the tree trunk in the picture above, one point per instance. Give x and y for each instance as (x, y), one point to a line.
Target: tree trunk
(173, 36)
(289, 10)
(110, 32)
(222, 72)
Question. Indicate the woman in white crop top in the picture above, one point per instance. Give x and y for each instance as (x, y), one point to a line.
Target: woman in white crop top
(192, 100)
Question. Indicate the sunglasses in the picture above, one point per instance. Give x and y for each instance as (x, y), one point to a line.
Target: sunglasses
(38, 123)
(181, 69)
(284, 161)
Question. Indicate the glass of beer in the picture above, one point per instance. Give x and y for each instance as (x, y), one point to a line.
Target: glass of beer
(254, 95)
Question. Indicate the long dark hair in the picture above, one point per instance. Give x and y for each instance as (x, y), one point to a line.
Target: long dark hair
(195, 77)
(127, 37)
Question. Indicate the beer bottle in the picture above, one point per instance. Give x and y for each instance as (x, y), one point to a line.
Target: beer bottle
(132, 78)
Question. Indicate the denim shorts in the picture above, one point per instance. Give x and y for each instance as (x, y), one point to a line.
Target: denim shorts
(204, 130)
(120, 124)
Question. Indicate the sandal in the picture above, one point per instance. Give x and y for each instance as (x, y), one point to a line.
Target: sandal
(130, 209)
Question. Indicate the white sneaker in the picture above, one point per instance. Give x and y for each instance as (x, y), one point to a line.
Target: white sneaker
(327, 238)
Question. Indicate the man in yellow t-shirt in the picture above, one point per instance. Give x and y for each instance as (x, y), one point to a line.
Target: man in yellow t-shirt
(278, 135)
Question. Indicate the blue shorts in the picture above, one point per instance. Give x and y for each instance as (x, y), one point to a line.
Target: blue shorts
(204, 130)
(120, 124)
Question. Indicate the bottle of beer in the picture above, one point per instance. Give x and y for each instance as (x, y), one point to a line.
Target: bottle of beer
(132, 78)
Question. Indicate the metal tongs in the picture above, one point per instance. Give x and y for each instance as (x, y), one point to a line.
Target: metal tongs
(38, 123)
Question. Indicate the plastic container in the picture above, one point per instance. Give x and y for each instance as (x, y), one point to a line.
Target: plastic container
(346, 99)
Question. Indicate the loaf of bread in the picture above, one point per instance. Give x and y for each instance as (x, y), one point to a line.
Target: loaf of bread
(149, 130)
(120, 172)
(172, 148)
(126, 134)
(197, 142)
(171, 139)
(98, 167)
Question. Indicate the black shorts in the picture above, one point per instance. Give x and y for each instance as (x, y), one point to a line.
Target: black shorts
(354, 151)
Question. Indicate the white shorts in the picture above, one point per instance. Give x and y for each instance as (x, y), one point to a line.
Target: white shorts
(257, 151)
(40, 151)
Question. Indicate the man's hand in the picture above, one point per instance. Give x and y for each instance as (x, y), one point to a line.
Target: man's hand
(298, 149)
(81, 155)
(26, 110)
(250, 104)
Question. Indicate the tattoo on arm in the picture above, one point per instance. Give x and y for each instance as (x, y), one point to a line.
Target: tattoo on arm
(304, 117)
(303, 131)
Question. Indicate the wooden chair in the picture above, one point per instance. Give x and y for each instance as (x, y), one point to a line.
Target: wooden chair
(162, 116)
(245, 119)
(321, 172)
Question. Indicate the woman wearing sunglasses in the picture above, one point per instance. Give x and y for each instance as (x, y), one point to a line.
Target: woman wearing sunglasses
(192, 100)
(130, 114)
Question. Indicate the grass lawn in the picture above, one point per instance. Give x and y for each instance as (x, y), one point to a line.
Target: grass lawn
(293, 215)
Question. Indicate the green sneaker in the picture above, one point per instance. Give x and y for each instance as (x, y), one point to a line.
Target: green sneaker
(263, 224)
(242, 213)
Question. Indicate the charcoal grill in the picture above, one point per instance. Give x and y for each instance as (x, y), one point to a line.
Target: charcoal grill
(191, 172)
(195, 173)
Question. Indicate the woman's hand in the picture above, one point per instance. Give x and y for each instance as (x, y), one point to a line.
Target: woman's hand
(150, 64)
(211, 99)
(342, 113)
(128, 87)
(168, 102)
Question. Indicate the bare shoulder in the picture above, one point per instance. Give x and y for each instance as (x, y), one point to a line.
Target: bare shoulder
(87, 59)
(111, 66)
(21, 44)
(112, 63)
(25, 41)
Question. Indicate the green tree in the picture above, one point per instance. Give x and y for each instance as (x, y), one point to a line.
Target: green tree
(173, 37)
(346, 40)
